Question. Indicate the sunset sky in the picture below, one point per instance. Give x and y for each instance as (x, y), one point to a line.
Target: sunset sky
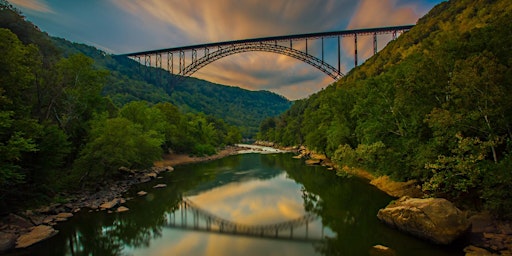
(123, 26)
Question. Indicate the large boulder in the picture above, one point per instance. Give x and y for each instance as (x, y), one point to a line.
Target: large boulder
(110, 204)
(435, 219)
(37, 234)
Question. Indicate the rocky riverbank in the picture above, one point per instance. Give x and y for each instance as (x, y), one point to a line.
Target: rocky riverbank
(486, 235)
(23, 229)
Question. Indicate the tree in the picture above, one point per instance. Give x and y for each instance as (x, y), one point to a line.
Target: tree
(115, 143)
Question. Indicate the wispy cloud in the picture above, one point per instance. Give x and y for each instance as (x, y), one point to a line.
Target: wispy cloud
(203, 21)
(378, 13)
(34, 5)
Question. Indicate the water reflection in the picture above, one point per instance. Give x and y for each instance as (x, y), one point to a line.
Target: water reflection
(248, 190)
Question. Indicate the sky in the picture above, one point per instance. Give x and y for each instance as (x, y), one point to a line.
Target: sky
(125, 26)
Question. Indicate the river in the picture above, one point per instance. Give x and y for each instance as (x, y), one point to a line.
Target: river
(247, 204)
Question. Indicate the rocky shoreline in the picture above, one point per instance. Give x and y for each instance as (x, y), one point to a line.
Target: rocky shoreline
(23, 229)
(486, 235)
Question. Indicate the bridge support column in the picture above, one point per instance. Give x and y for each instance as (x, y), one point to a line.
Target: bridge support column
(170, 63)
(182, 62)
(194, 56)
(322, 49)
(147, 63)
(355, 50)
(339, 56)
(374, 43)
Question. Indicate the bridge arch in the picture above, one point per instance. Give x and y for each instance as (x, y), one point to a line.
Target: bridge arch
(218, 50)
(262, 47)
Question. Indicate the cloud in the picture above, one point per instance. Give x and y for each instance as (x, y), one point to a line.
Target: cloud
(34, 5)
(377, 13)
(177, 23)
(203, 21)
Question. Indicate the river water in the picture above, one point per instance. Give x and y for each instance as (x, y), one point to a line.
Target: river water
(248, 204)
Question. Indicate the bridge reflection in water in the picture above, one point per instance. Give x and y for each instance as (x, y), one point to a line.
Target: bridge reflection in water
(188, 216)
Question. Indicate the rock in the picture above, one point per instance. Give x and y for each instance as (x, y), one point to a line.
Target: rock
(506, 229)
(123, 169)
(169, 168)
(144, 179)
(151, 175)
(435, 219)
(7, 241)
(37, 234)
(18, 221)
(49, 219)
(381, 250)
(109, 205)
(160, 186)
(397, 189)
(37, 219)
(61, 217)
(476, 251)
(482, 222)
(318, 156)
(142, 193)
(65, 215)
(313, 161)
(122, 209)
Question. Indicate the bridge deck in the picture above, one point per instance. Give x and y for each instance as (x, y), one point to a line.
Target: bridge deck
(368, 31)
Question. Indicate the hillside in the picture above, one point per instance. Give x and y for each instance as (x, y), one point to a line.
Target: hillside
(59, 132)
(129, 82)
(434, 106)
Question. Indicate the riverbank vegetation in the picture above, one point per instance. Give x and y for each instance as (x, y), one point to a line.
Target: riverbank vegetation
(434, 106)
(59, 132)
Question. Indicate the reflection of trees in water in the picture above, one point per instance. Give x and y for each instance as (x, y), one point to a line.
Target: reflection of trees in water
(347, 206)
(234, 168)
(109, 234)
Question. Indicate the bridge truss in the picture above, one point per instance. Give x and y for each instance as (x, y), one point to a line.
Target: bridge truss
(174, 60)
(189, 216)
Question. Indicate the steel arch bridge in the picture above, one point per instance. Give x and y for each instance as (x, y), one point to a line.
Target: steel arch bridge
(177, 57)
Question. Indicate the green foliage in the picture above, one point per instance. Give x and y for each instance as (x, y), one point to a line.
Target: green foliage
(460, 172)
(496, 191)
(51, 135)
(434, 105)
(129, 81)
(364, 156)
(114, 143)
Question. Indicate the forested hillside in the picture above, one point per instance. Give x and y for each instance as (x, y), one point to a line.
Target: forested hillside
(434, 105)
(59, 132)
(129, 81)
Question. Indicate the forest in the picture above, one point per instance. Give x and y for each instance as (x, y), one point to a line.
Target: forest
(60, 132)
(128, 81)
(433, 106)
